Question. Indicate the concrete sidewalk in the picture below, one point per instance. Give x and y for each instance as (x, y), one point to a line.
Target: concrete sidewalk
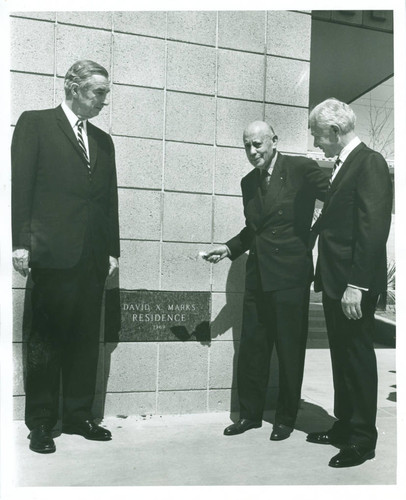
(191, 449)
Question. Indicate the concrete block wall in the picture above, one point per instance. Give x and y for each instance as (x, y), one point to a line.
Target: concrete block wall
(184, 87)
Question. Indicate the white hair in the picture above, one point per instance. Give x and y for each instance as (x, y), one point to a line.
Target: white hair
(333, 112)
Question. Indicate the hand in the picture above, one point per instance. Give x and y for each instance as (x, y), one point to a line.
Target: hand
(113, 269)
(215, 255)
(351, 303)
(21, 257)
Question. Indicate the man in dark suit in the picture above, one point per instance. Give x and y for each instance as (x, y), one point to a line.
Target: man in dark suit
(278, 197)
(65, 228)
(351, 273)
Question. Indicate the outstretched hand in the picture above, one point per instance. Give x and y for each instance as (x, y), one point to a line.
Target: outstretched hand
(216, 254)
(21, 258)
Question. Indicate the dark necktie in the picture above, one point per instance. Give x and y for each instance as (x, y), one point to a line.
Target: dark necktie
(317, 221)
(335, 166)
(81, 142)
(265, 180)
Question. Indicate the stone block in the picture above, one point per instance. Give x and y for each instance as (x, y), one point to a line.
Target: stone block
(30, 92)
(103, 20)
(102, 120)
(241, 75)
(18, 370)
(290, 126)
(228, 217)
(18, 407)
(141, 23)
(182, 402)
(139, 162)
(231, 166)
(242, 30)
(140, 214)
(187, 217)
(22, 314)
(287, 81)
(131, 367)
(226, 316)
(223, 365)
(139, 265)
(32, 46)
(130, 403)
(229, 276)
(74, 43)
(221, 400)
(183, 269)
(232, 119)
(189, 167)
(191, 68)
(139, 60)
(289, 34)
(138, 112)
(192, 26)
(182, 366)
(19, 281)
(190, 118)
(44, 16)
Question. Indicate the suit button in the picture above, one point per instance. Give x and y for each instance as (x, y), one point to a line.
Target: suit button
(280, 212)
(273, 231)
(276, 250)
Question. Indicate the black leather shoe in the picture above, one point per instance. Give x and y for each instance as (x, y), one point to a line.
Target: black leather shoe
(322, 438)
(88, 429)
(41, 440)
(280, 432)
(351, 456)
(241, 426)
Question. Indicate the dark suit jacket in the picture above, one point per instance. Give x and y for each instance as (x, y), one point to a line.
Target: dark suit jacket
(278, 224)
(56, 205)
(354, 226)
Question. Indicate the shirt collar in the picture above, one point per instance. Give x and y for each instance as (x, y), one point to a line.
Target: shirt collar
(70, 115)
(348, 149)
(272, 164)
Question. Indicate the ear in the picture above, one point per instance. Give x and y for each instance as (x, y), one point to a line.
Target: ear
(335, 129)
(274, 141)
(74, 89)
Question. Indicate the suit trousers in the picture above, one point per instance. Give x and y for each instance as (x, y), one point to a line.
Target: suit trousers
(277, 318)
(354, 371)
(64, 341)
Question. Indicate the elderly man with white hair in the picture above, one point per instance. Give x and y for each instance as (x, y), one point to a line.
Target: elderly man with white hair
(351, 272)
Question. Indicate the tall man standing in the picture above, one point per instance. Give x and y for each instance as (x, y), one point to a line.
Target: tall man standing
(65, 228)
(351, 273)
(279, 197)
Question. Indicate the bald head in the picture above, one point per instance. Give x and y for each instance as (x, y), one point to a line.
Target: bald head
(259, 127)
(260, 144)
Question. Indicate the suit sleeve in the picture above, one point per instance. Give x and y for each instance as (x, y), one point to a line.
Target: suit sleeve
(114, 243)
(241, 242)
(318, 179)
(373, 218)
(24, 152)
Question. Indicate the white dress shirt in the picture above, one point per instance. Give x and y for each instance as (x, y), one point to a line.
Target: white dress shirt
(73, 120)
(343, 155)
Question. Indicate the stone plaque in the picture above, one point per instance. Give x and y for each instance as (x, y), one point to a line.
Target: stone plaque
(154, 316)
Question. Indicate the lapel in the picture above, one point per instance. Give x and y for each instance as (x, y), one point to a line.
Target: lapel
(276, 184)
(66, 128)
(345, 167)
(92, 145)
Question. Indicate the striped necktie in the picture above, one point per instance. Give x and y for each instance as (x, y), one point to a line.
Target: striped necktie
(335, 166)
(81, 142)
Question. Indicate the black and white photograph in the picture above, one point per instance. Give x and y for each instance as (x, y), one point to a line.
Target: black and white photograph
(199, 255)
